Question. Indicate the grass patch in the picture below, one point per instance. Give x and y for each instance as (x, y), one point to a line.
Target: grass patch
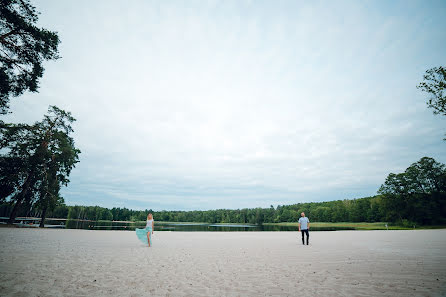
(359, 225)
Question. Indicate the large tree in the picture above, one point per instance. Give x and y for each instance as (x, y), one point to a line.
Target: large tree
(23, 48)
(417, 194)
(21, 155)
(39, 159)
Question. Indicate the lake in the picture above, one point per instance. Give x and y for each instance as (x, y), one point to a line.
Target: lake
(163, 226)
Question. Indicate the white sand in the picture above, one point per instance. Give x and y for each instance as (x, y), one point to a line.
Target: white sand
(36, 262)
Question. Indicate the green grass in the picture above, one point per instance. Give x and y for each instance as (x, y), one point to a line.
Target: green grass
(360, 225)
(356, 226)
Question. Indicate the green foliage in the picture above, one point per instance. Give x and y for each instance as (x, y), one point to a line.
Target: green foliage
(23, 48)
(10, 175)
(435, 84)
(418, 194)
(35, 160)
(414, 197)
(38, 160)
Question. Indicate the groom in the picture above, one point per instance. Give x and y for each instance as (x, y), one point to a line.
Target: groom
(304, 226)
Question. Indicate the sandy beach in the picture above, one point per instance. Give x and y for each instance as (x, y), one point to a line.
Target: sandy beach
(43, 262)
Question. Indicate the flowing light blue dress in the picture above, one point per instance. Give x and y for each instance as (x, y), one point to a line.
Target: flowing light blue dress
(142, 233)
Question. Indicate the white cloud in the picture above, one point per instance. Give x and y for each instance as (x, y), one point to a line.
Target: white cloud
(228, 104)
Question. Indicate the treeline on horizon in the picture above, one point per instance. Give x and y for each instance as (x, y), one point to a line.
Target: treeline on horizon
(369, 209)
(416, 196)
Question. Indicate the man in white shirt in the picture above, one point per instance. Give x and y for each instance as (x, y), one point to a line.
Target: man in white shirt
(304, 226)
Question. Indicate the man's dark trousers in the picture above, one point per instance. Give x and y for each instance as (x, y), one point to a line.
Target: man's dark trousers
(305, 232)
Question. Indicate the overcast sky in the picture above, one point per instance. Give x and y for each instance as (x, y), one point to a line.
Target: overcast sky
(231, 104)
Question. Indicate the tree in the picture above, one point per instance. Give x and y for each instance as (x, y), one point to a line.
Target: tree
(418, 194)
(435, 84)
(9, 175)
(426, 176)
(23, 48)
(61, 157)
(45, 154)
(22, 163)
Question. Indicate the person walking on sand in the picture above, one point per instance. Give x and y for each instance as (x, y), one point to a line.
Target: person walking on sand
(145, 235)
(304, 227)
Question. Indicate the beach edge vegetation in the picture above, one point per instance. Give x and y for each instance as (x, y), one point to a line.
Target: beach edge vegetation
(415, 197)
(35, 159)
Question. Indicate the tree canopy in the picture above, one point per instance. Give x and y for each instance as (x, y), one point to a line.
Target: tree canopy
(417, 194)
(435, 84)
(37, 160)
(426, 176)
(23, 48)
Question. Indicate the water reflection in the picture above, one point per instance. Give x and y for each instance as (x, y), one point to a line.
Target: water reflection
(189, 227)
(162, 226)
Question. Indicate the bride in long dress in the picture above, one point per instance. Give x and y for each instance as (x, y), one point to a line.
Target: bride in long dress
(145, 235)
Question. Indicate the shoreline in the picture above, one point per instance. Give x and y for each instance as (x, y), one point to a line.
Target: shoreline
(280, 227)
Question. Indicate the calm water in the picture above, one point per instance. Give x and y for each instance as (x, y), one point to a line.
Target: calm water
(159, 226)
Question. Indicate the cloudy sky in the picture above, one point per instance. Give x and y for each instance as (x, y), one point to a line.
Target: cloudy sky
(230, 104)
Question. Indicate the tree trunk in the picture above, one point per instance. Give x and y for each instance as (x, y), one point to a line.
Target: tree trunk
(14, 211)
(45, 207)
(20, 198)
